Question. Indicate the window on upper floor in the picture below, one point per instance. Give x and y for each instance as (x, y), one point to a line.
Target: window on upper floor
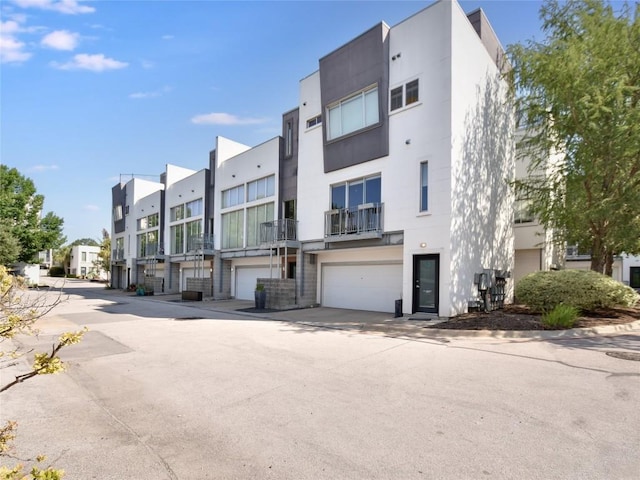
(262, 188)
(142, 223)
(177, 213)
(353, 193)
(404, 95)
(177, 238)
(523, 211)
(194, 230)
(84, 256)
(233, 196)
(353, 113)
(288, 138)
(153, 220)
(233, 229)
(424, 186)
(117, 213)
(255, 216)
(312, 122)
(193, 208)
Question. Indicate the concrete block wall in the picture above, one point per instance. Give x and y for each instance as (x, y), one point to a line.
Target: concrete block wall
(281, 293)
(307, 273)
(155, 283)
(199, 285)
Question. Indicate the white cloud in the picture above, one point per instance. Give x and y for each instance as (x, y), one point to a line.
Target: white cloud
(155, 93)
(94, 63)
(61, 40)
(69, 7)
(12, 50)
(147, 64)
(91, 208)
(225, 119)
(168, 37)
(43, 168)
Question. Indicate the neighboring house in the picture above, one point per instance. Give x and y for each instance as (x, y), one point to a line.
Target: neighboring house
(45, 258)
(631, 271)
(84, 262)
(535, 247)
(390, 182)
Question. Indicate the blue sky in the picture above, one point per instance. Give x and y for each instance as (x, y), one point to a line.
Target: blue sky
(92, 90)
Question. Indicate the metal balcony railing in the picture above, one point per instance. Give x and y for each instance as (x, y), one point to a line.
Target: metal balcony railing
(278, 231)
(117, 254)
(201, 242)
(365, 218)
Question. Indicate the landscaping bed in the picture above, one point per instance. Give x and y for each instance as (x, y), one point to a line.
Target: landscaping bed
(518, 317)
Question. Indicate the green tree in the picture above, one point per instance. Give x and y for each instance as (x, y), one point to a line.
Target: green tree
(579, 93)
(85, 241)
(9, 246)
(20, 213)
(104, 256)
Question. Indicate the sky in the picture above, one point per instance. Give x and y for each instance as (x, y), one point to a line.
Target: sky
(92, 92)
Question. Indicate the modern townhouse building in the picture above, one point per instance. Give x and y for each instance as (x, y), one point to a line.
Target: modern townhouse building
(390, 182)
(125, 200)
(188, 250)
(405, 154)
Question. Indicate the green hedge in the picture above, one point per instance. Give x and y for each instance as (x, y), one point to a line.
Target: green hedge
(56, 272)
(583, 289)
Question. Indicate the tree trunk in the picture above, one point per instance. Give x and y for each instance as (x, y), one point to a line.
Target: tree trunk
(598, 256)
(608, 267)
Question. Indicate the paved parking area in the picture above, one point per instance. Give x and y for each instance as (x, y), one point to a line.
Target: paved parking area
(162, 390)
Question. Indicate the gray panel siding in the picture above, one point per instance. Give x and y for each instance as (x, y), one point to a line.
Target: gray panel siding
(119, 197)
(288, 164)
(362, 62)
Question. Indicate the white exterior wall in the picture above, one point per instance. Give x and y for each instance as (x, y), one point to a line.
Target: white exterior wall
(628, 261)
(440, 48)
(482, 165)
(252, 164)
(77, 264)
(144, 207)
(180, 192)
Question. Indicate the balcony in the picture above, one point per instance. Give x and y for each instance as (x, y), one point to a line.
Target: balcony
(283, 232)
(117, 255)
(356, 223)
(201, 243)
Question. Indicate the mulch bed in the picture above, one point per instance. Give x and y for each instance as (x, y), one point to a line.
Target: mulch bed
(518, 317)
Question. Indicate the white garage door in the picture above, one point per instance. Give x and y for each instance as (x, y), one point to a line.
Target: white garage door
(187, 273)
(362, 286)
(246, 280)
(526, 262)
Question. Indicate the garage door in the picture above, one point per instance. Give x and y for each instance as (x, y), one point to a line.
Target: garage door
(362, 286)
(246, 280)
(526, 262)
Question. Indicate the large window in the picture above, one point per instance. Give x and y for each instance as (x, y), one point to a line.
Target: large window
(177, 213)
(232, 229)
(256, 216)
(177, 239)
(117, 213)
(356, 192)
(404, 95)
(152, 220)
(356, 112)
(194, 230)
(424, 187)
(233, 196)
(523, 211)
(262, 188)
(147, 244)
(193, 208)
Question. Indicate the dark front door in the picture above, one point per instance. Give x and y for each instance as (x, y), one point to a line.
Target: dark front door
(426, 278)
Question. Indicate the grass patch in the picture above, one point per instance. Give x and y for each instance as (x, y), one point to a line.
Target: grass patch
(561, 317)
